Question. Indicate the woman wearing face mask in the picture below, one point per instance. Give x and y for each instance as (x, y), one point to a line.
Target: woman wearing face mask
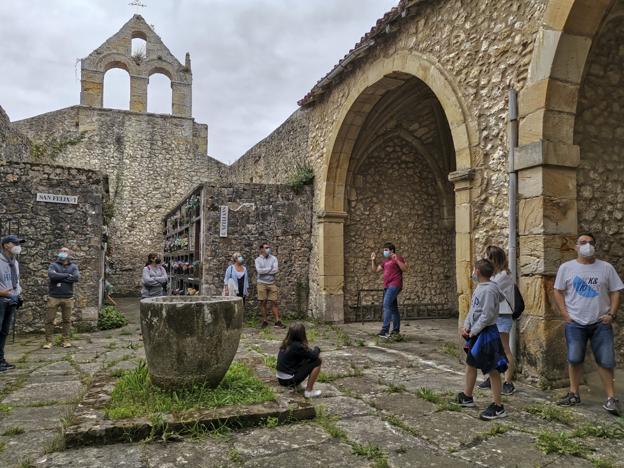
(154, 277)
(236, 275)
(393, 266)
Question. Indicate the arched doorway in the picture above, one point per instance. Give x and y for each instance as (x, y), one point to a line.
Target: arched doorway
(397, 190)
(373, 100)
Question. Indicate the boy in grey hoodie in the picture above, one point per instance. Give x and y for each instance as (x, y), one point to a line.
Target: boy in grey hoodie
(483, 346)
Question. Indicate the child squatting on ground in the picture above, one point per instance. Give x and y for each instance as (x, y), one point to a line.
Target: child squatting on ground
(296, 361)
(483, 346)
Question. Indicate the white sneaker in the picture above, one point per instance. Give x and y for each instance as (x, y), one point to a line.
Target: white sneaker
(312, 394)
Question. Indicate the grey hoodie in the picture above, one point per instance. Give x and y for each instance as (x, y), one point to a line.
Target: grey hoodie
(5, 275)
(483, 307)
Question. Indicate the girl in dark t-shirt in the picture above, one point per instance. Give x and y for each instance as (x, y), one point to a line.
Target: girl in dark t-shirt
(296, 361)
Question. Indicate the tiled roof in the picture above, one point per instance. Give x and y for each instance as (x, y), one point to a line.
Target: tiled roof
(382, 26)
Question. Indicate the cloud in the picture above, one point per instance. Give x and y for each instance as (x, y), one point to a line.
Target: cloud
(252, 59)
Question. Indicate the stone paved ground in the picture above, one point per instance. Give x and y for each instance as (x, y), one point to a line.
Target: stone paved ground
(373, 413)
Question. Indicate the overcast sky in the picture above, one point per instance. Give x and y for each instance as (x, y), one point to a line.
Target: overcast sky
(251, 59)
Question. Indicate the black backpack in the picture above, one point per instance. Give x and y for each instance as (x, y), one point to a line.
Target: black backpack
(518, 303)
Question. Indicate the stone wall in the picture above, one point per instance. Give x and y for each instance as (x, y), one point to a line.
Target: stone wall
(13, 145)
(49, 226)
(599, 131)
(151, 161)
(277, 215)
(278, 156)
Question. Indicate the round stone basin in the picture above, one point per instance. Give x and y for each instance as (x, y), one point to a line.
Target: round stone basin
(190, 339)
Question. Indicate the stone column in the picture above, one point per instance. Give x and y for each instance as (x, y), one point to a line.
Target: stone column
(547, 225)
(331, 266)
(181, 97)
(463, 241)
(91, 88)
(138, 93)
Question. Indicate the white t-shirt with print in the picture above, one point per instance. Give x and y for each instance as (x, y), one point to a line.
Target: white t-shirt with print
(587, 288)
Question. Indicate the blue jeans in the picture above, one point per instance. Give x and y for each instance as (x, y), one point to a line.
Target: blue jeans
(391, 309)
(601, 337)
(7, 311)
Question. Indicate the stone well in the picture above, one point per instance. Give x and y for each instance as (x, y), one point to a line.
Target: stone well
(190, 339)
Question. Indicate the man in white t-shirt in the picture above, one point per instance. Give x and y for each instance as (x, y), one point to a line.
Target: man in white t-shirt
(587, 291)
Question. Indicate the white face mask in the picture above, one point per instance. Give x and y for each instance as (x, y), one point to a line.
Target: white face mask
(16, 249)
(587, 250)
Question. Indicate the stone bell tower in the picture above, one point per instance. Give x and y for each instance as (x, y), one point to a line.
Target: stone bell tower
(116, 52)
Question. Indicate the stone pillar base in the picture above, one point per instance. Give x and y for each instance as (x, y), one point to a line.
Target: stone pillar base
(330, 308)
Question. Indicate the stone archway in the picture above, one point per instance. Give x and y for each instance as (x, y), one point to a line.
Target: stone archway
(547, 161)
(380, 78)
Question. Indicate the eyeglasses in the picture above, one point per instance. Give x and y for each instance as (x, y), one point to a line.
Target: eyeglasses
(590, 242)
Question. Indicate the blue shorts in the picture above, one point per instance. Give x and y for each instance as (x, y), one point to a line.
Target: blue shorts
(504, 323)
(601, 337)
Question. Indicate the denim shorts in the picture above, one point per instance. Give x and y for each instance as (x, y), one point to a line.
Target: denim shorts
(601, 337)
(504, 323)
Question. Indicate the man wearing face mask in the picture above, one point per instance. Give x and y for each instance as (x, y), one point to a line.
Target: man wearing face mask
(266, 268)
(62, 273)
(10, 290)
(587, 292)
(393, 267)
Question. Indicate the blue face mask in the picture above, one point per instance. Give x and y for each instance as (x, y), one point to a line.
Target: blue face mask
(240, 259)
(268, 250)
(386, 253)
(63, 255)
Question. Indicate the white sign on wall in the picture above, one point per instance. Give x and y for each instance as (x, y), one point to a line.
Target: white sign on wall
(223, 221)
(53, 198)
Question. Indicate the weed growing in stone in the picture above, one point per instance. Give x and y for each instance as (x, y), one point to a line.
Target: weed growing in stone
(328, 423)
(443, 401)
(270, 361)
(135, 395)
(398, 422)
(2, 447)
(612, 431)
(550, 412)
(342, 339)
(15, 430)
(369, 451)
(235, 456)
(450, 349)
(4, 408)
(271, 422)
(394, 388)
(325, 377)
(601, 462)
(110, 317)
(560, 443)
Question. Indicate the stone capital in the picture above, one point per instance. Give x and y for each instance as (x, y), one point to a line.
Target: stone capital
(462, 175)
(331, 216)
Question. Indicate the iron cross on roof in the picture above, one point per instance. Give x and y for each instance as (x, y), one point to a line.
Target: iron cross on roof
(137, 4)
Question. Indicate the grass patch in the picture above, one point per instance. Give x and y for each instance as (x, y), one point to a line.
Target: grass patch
(552, 413)
(135, 395)
(125, 333)
(270, 362)
(235, 456)
(393, 388)
(443, 401)
(2, 447)
(560, 443)
(328, 423)
(11, 431)
(611, 431)
(271, 421)
(370, 452)
(601, 462)
(450, 349)
(4, 408)
(342, 339)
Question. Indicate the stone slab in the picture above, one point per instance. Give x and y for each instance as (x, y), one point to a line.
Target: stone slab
(34, 419)
(424, 457)
(264, 441)
(101, 457)
(345, 407)
(198, 453)
(41, 392)
(371, 430)
(328, 454)
(25, 447)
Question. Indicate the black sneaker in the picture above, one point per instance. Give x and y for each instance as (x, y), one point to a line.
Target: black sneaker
(6, 365)
(279, 324)
(465, 400)
(493, 412)
(383, 334)
(569, 400)
(508, 388)
(264, 324)
(485, 384)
